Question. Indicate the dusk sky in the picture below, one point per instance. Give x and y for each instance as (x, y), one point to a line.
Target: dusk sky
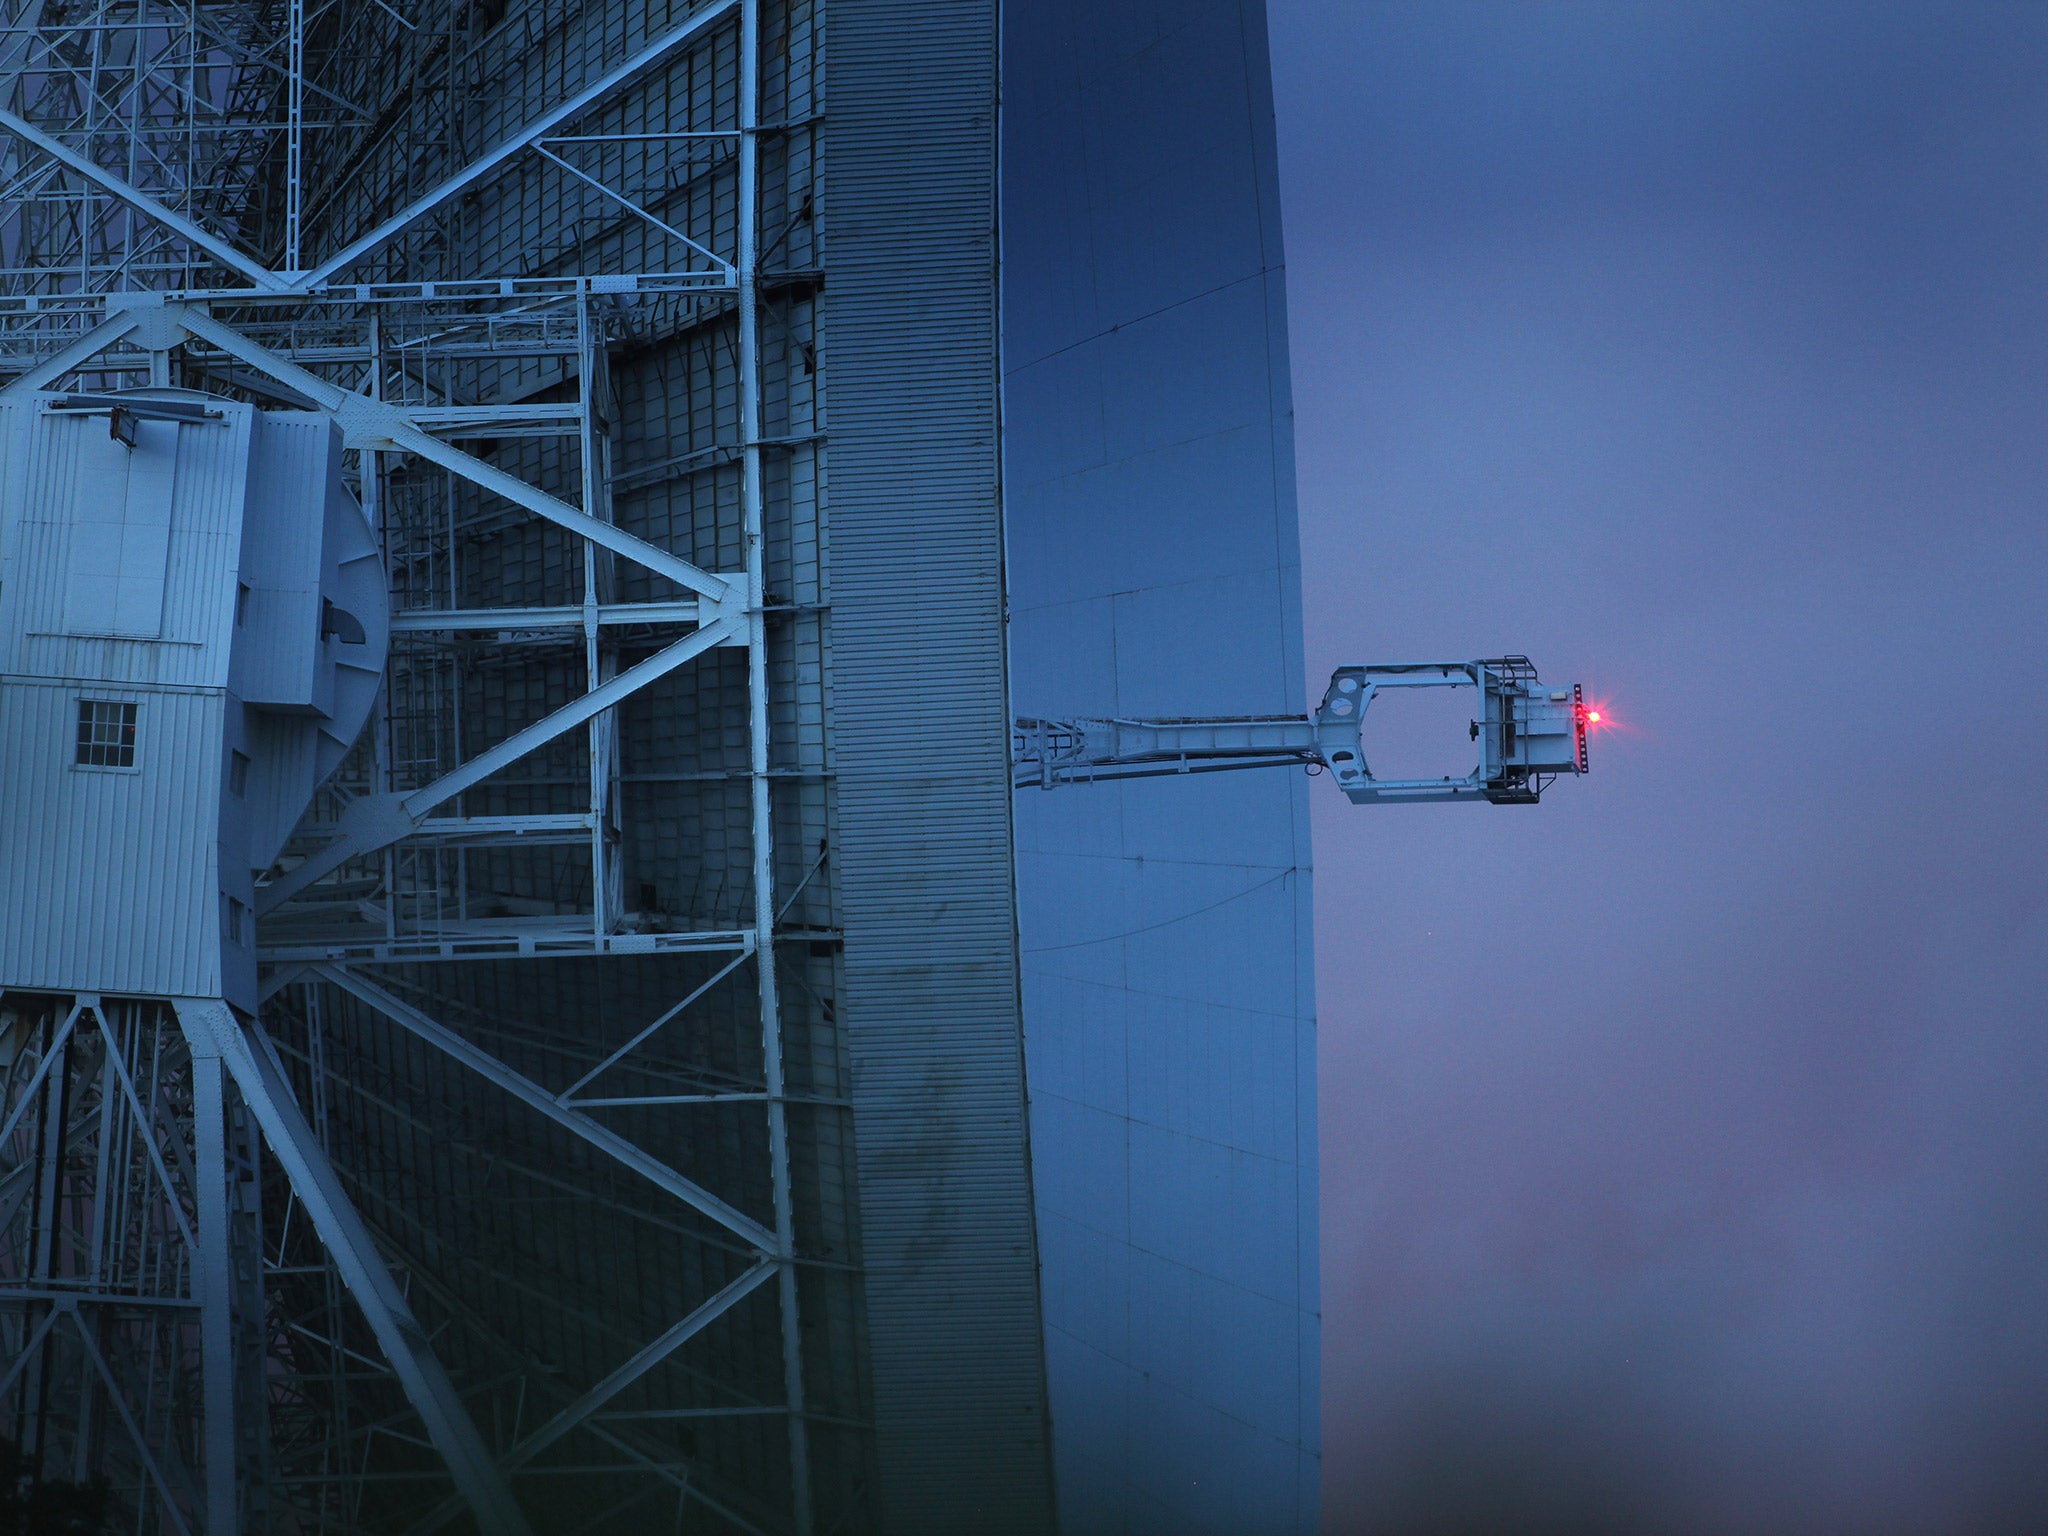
(1685, 1138)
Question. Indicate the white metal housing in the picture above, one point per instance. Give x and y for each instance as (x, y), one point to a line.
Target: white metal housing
(191, 574)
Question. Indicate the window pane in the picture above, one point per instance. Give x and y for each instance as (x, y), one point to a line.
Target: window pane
(106, 734)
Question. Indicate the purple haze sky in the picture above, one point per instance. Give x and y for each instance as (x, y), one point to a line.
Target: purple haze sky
(1685, 1139)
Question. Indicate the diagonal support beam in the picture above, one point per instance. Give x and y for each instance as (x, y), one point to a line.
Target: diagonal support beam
(540, 127)
(143, 1120)
(568, 1094)
(731, 272)
(644, 1360)
(530, 1093)
(388, 426)
(144, 204)
(377, 821)
(568, 717)
(35, 1082)
(83, 350)
(27, 1352)
(212, 1030)
(138, 1440)
(263, 277)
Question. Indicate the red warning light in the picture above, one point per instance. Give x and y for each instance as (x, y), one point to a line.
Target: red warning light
(1594, 717)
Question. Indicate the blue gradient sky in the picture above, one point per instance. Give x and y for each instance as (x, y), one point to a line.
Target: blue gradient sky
(1685, 1139)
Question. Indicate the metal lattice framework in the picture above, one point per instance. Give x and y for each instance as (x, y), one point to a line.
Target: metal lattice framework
(527, 1203)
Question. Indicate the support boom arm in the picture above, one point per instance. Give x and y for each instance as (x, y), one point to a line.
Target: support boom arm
(1527, 734)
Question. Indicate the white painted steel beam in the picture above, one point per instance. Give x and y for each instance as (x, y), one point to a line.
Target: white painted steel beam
(299, 283)
(118, 1065)
(568, 717)
(378, 821)
(83, 350)
(213, 1283)
(644, 1360)
(567, 112)
(731, 273)
(754, 531)
(504, 831)
(141, 1442)
(211, 1030)
(539, 419)
(35, 1082)
(599, 579)
(27, 1352)
(415, 621)
(377, 424)
(508, 829)
(144, 204)
(530, 1093)
(511, 943)
(568, 1094)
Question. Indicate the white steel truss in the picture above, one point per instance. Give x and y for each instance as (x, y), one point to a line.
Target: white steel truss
(188, 201)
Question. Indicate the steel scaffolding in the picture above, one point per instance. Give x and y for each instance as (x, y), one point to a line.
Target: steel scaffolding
(527, 1202)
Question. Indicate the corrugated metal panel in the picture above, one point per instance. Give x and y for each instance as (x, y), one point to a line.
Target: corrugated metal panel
(280, 559)
(119, 550)
(32, 586)
(206, 536)
(119, 581)
(920, 733)
(1168, 973)
(110, 874)
(60, 574)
